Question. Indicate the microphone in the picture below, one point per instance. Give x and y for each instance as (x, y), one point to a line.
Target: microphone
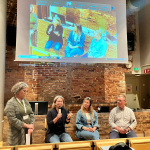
(59, 109)
(130, 124)
(128, 127)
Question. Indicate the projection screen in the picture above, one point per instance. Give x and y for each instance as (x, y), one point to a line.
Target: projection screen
(72, 31)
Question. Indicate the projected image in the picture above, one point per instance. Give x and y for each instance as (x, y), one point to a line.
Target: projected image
(72, 32)
(33, 27)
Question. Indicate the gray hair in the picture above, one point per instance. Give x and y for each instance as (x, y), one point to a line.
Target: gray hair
(55, 99)
(18, 87)
(122, 95)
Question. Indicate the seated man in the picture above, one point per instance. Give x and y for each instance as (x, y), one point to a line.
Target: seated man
(122, 120)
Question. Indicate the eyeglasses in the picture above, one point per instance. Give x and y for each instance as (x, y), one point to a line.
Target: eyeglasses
(120, 101)
(26, 91)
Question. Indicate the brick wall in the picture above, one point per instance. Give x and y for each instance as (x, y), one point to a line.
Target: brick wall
(102, 82)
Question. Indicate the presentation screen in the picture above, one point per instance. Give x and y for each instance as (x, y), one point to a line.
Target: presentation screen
(72, 31)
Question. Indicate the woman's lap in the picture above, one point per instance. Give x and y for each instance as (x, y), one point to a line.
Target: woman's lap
(64, 137)
(56, 45)
(88, 135)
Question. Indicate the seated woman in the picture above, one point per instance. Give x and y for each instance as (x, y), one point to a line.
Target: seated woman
(87, 121)
(75, 42)
(56, 122)
(55, 32)
(98, 46)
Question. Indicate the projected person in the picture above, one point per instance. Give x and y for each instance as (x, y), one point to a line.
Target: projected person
(33, 27)
(55, 32)
(98, 46)
(69, 4)
(75, 42)
(87, 121)
(20, 115)
(57, 117)
(108, 34)
(122, 120)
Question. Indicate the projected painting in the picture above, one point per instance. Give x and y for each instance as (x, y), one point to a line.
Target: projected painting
(72, 32)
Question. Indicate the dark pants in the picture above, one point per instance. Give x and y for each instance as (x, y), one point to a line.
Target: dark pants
(114, 135)
(26, 132)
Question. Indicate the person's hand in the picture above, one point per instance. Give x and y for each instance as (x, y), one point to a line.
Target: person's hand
(50, 30)
(126, 130)
(30, 126)
(122, 131)
(70, 46)
(30, 131)
(89, 129)
(93, 129)
(69, 115)
(59, 115)
(57, 33)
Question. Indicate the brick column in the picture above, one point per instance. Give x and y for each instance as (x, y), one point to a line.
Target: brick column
(3, 8)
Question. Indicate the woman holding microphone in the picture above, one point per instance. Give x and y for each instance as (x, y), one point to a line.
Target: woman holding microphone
(57, 117)
(55, 32)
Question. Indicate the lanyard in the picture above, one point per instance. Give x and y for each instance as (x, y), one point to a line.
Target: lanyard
(23, 104)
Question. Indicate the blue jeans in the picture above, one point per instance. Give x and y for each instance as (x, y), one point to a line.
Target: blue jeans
(56, 45)
(88, 135)
(72, 52)
(64, 137)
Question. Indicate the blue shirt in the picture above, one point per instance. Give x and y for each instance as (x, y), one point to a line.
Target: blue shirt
(79, 40)
(98, 48)
(81, 120)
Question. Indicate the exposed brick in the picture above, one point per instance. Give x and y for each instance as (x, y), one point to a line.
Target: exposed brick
(102, 82)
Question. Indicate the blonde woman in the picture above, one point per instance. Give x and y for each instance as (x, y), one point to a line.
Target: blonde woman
(56, 122)
(75, 42)
(55, 31)
(87, 121)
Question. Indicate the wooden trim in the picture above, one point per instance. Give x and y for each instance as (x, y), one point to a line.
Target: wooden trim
(48, 146)
(139, 141)
(7, 148)
(1, 143)
(36, 148)
(72, 146)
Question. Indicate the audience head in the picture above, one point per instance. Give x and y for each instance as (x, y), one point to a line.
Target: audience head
(20, 90)
(56, 21)
(78, 29)
(121, 101)
(58, 101)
